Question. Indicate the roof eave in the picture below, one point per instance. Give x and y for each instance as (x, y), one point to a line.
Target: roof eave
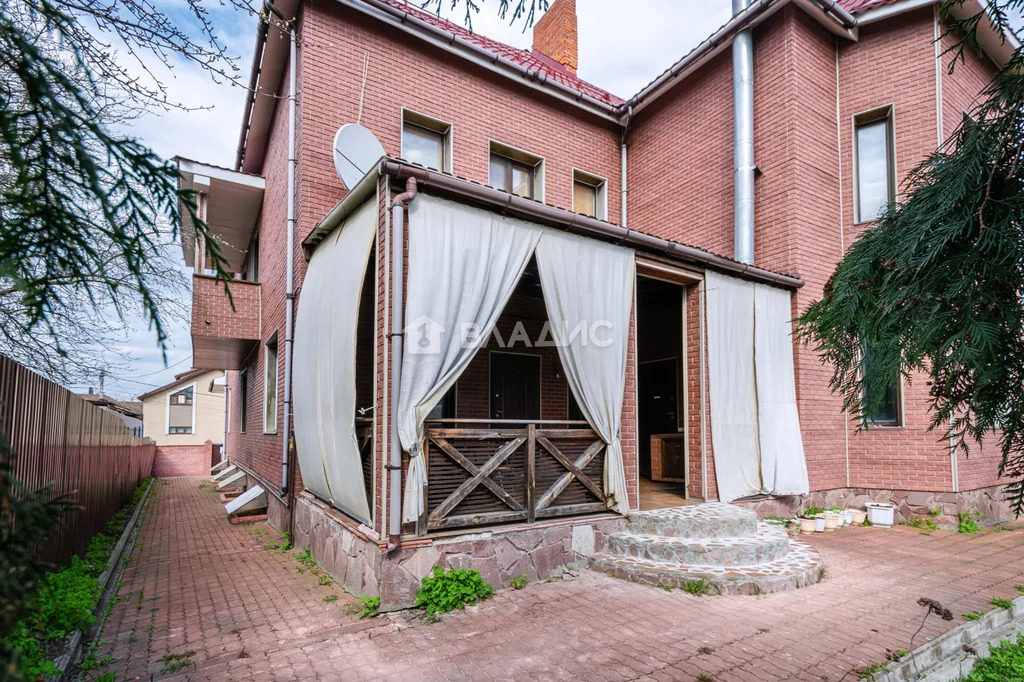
(828, 12)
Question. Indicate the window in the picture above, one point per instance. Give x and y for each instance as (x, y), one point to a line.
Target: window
(252, 264)
(874, 172)
(589, 195)
(516, 172)
(180, 411)
(885, 409)
(243, 400)
(270, 386)
(426, 141)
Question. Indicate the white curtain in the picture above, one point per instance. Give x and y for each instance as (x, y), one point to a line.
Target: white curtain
(783, 467)
(588, 293)
(733, 388)
(324, 375)
(755, 427)
(464, 264)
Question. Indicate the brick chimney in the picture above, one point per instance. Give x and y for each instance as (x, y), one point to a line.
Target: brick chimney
(555, 34)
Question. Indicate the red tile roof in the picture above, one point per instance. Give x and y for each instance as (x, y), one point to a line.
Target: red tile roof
(532, 60)
(858, 6)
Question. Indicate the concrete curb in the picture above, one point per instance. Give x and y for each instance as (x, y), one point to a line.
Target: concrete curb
(108, 585)
(944, 659)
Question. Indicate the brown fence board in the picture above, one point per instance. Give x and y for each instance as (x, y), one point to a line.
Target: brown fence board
(64, 444)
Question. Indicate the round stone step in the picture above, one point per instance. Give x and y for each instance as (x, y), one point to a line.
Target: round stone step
(802, 566)
(707, 520)
(768, 544)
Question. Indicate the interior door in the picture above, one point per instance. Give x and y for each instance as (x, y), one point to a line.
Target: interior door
(659, 411)
(515, 386)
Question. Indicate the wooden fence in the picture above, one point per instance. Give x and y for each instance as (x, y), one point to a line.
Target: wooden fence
(63, 442)
(502, 471)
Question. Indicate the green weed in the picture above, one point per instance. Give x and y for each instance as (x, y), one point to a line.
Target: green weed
(444, 591)
(175, 662)
(520, 582)
(370, 606)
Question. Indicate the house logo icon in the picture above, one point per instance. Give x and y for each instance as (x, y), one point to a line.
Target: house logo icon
(423, 336)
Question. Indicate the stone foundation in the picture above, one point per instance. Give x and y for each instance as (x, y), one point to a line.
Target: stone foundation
(356, 558)
(910, 504)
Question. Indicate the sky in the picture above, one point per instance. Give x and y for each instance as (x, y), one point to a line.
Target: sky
(621, 49)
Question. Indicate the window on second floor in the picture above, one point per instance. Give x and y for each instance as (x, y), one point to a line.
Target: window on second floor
(179, 411)
(589, 195)
(426, 141)
(251, 269)
(874, 171)
(270, 386)
(516, 172)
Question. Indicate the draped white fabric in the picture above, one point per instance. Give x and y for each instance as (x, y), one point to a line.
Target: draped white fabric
(755, 427)
(324, 378)
(588, 293)
(733, 388)
(783, 467)
(464, 264)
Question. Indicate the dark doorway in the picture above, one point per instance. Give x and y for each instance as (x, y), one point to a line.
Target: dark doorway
(661, 392)
(515, 386)
(658, 390)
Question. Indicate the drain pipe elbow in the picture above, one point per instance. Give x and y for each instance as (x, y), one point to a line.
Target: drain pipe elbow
(394, 467)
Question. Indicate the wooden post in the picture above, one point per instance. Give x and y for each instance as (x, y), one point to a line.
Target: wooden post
(531, 458)
(421, 523)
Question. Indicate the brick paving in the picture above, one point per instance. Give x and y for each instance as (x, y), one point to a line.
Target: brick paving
(197, 583)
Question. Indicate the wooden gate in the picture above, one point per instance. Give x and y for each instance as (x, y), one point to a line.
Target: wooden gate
(509, 470)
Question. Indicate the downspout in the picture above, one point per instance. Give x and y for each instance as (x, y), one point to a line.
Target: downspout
(289, 296)
(701, 300)
(394, 467)
(743, 139)
(623, 183)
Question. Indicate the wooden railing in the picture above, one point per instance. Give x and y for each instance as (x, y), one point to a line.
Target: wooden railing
(483, 472)
(62, 442)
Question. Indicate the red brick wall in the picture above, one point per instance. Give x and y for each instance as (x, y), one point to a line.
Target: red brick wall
(909, 457)
(183, 460)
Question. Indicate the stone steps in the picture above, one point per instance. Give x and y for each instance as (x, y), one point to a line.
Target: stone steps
(766, 545)
(721, 545)
(801, 566)
(708, 520)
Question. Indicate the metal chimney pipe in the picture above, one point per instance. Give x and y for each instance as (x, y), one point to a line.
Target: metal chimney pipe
(743, 140)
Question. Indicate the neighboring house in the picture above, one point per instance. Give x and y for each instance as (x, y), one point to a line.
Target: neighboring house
(130, 411)
(774, 142)
(185, 419)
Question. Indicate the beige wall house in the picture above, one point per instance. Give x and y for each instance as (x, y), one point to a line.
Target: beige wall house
(185, 419)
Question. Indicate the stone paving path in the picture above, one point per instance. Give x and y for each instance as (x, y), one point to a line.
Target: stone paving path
(198, 584)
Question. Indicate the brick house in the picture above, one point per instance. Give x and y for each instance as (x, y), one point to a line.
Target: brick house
(185, 418)
(734, 182)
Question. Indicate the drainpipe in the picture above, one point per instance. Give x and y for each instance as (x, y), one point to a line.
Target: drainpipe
(289, 296)
(743, 139)
(625, 190)
(394, 467)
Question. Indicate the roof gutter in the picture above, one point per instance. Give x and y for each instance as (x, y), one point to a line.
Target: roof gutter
(254, 78)
(450, 42)
(584, 225)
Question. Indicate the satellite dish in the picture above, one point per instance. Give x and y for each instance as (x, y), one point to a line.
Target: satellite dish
(356, 152)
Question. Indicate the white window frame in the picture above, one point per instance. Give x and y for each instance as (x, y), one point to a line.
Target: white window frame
(600, 191)
(522, 156)
(888, 113)
(167, 409)
(271, 428)
(436, 125)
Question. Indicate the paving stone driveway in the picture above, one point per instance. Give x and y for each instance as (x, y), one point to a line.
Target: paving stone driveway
(197, 584)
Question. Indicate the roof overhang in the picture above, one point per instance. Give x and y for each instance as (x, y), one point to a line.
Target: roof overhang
(233, 203)
(542, 213)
